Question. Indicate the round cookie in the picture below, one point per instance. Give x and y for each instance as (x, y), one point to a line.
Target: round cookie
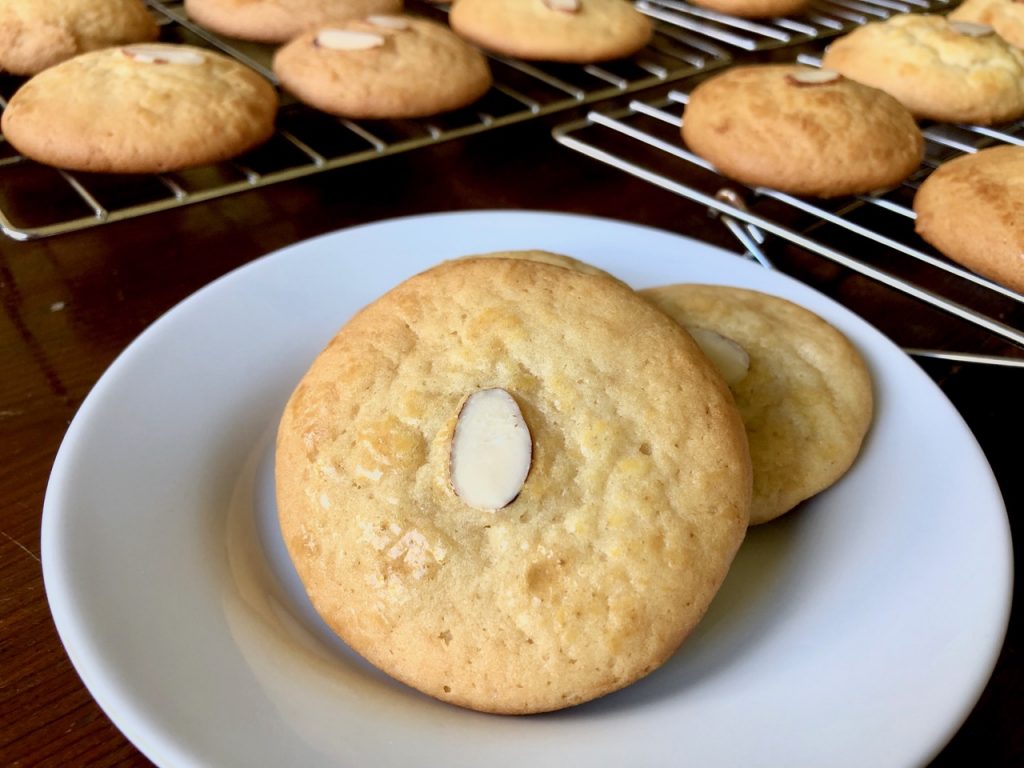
(972, 209)
(805, 396)
(575, 31)
(634, 503)
(383, 67)
(546, 257)
(35, 35)
(277, 21)
(140, 109)
(939, 69)
(1006, 17)
(777, 126)
(754, 9)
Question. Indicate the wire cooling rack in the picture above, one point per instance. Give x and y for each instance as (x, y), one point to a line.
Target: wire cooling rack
(872, 235)
(37, 201)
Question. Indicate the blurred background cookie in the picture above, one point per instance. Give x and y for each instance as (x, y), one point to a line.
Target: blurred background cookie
(801, 130)
(140, 109)
(972, 209)
(803, 390)
(754, 9)
(277, 21)
(944, 70)
(577, 31)
(383, 67)
(36, 34)
(627, 493)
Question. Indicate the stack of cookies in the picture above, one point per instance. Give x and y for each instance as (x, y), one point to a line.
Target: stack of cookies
(516, 514)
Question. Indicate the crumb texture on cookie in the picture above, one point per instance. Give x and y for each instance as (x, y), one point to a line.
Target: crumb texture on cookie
(806, 400)
(278, 21)
(936, 71)
(534, 29)
(972, 210)
(411, 67)
(765, 126)
(635, 503)
(112, 111)
(35, 35)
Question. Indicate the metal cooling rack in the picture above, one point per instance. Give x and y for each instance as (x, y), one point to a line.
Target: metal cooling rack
(823, 18)
(872, 235)
(37, 201)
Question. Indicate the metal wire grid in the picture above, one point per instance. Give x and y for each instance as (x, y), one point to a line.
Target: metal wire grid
(37, 201)
(823, 18)
(872, 235)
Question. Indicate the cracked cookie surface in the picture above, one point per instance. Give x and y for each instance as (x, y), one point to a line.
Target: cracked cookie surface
(278, 21)
(635, 502)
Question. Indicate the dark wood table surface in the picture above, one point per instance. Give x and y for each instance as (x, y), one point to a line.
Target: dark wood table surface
(73, 302)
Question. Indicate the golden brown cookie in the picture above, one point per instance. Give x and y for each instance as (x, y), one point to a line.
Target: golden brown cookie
(36, 34)
(140, 109)
(802, 388)
(383, 67)
(972, 209)
(1006, 17)
(509, 594)
(546, 257)
(754, 9)
(277, 21)
(801, 130)
(939, 69)
(578, 31)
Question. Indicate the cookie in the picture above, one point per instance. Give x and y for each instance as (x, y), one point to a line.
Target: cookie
(546, 257)
(383, 67)
(972, 209)
(801, 130)
(942, 70)
(754, 9)
(572, 566)
(1006, 17)
(802, 388)
(140, 109)
(36, 34)
(576, 31)
(277, 21)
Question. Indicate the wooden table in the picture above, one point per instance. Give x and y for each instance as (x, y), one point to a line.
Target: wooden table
(73, 302)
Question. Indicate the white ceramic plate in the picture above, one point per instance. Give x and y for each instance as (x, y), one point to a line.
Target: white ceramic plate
(859, 631)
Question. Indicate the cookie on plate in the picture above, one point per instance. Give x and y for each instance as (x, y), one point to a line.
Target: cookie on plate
(140, 109)
(803, 390)
(1006, 17)
(944, 70)
(547, 257)
(277, 21)
(576, 31)
(801, 130)
(36, 34)
(513, 486)
(383, 67)
(754, 9)
(972, 209)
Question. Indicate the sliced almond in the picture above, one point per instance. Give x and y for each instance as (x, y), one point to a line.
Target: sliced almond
(388, 22)
(565, 6)
(152, 54)
(729, 358)
(347, 40)
(811, 76)
(972, 29)
(491, 450)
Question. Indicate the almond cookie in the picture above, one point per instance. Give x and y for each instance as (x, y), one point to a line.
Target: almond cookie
(383, 67)
(801, 130)
(578, 31)
(277, 21)
(513, 486)
(140, 109)
(754, 9)
(1006, 17)
(36, 34)
(802, 388)
(972, 209)
(944, 70)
